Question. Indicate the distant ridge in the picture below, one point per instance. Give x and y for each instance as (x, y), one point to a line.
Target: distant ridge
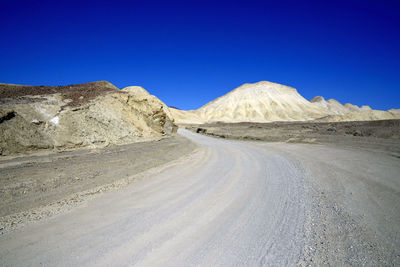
(335, 107)
(267, 102)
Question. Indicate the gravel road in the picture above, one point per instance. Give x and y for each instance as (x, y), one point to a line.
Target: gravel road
(231, 203)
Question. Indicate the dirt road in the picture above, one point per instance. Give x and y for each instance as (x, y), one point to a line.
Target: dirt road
(232, 203)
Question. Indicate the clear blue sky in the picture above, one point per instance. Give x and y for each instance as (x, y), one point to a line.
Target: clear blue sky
(188, 53)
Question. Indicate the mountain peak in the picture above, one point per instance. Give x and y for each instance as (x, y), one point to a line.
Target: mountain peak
(138, 91)
(258, 102)
(317, 99)
(265, 86)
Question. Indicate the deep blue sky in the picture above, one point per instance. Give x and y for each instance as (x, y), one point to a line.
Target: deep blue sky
(188, 53)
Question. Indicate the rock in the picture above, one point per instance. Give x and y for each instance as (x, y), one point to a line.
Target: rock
(6, 115)
(87, 115)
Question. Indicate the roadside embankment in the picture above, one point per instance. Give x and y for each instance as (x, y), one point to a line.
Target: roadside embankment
(33, 187)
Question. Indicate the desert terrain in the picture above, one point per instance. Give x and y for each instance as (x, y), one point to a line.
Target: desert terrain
(383, 134)
(38, 186)
(258, 177)
(97, 114)
(268, 102)
(231, 203)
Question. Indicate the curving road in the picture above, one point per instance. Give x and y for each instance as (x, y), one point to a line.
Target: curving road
(228, 204)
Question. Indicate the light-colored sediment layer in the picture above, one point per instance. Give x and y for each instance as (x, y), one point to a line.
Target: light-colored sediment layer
(336, 108)
(260, 102)
(110, 117)
(185, 116)
(332, 105)
(369, 115)
(350, 112)
(268, 102)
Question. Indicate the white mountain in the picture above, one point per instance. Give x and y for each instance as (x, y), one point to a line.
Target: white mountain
(337, 108)
(267, 101)
(395, 111)
(260, 102)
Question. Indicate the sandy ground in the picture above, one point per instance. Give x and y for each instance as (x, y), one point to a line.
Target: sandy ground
(381, 135)
(305, 131)
(354, 217)
(232, 203)
(37, 186)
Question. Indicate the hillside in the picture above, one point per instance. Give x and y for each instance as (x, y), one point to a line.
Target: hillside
(186, 116)
(260, 102)
(268, 102)
(336, 108)
(93, 114)
(369, 115)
